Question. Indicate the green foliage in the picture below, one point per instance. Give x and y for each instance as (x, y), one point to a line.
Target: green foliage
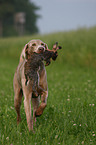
(7, 10)
(70, 117)
(79, 47)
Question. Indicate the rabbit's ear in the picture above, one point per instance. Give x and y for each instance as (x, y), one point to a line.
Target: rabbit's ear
(59, 47)
(55, 45)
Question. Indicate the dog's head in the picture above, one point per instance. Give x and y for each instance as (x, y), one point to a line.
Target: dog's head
(35, 45)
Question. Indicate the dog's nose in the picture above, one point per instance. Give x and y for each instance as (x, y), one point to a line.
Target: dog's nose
(41, 49)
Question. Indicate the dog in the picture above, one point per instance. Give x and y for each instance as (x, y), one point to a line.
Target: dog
(20, 87)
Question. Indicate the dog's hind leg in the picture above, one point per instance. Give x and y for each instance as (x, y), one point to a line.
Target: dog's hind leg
(17, 98)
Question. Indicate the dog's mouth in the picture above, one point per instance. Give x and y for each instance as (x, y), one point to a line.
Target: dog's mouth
(41, 49)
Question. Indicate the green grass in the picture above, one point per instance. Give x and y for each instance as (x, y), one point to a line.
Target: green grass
(70, 116)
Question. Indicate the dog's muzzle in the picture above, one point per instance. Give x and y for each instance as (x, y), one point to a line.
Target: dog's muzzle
(41, 49)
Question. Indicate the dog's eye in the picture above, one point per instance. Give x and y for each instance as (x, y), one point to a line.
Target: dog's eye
(34, 44)
(42, 44)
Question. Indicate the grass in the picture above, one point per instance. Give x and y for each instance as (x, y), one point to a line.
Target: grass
(70, 116)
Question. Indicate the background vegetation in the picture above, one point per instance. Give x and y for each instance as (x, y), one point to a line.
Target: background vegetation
(8, 8)
(70, 116)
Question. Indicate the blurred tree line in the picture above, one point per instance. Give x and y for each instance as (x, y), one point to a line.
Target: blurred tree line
(8, 8)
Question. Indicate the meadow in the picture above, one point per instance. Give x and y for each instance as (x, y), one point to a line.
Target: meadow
(70, 115)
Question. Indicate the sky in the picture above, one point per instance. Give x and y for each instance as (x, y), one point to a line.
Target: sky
(64, 15)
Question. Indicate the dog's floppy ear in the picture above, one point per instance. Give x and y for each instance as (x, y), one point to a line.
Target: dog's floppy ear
(26, 52)
(23, 55)
(46, 46)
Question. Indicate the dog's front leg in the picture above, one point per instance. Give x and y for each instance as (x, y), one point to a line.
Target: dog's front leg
(43, 104)
(35, 103)
(27, 105)
(44, 86)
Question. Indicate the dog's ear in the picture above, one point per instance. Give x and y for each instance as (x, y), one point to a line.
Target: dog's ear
(23, 55)
(46, 46)
(26, 52)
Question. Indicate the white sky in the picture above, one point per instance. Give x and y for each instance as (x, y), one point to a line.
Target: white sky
(62, 15)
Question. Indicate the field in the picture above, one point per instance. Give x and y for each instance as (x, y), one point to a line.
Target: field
(70, 116)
